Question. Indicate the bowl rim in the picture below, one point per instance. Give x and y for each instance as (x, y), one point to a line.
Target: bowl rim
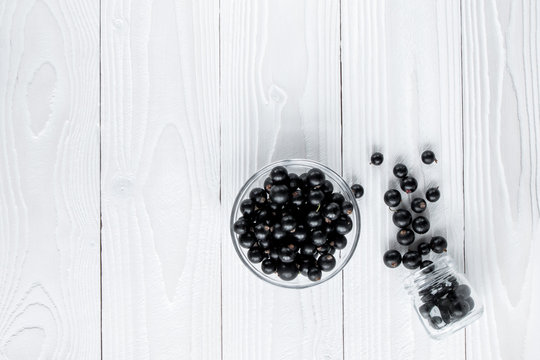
(343, 186)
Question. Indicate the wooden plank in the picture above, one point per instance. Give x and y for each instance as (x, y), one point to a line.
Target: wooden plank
(280, 99)
(161, 255)
(501, 50)
(49, 180)
(401, 95)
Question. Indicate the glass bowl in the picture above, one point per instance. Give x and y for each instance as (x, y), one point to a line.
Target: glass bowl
(298, 166)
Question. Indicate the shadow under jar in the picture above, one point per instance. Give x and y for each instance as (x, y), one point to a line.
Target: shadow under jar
(298, 166)
(443, 298)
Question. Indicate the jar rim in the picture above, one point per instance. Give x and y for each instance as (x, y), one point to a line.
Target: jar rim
(439, 268)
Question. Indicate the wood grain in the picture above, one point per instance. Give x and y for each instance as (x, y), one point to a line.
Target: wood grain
(401, 95)
(49, 180)
(160, 146)
(501, 49)
(280, 99)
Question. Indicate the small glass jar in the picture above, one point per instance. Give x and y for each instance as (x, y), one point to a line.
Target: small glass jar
(443, 298)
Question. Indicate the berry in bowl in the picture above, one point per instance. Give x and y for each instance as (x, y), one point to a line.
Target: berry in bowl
(296, 223)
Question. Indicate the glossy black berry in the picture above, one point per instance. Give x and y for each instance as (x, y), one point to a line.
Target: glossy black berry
(261, 231)
(408, 184)
(318, 238)
(279, 194)
(275, 207)
(287, 254)
(470, 301)
(400, 171)
(405, 237)
(425, 264)
(278, 233)
(304, 264)
(428, 157)
(268, 267)
(240, 226)
(347, 208)
(246, 240)
(315, 197)
(315, 177)
(339, 242)
(327, 187)
(344, 225)
(314, 274)
(314, 219)
(337, 198)
(258, 196)
(300, 234)
(425, 309)
(288, 223)
(438, 244)
(420, 225)
(392, 258)
(326, 262)
(462, 291)
(247, 207)
(423, 248)
(255, 254)
(412, 260)
(433, 194)
(402, 218)
(297, 197)
(294, 181)
(459, 309)
(377, 158)
(273, 253)
(308, 249)
(331, 211)
(278, 174)
(287, 271)
(268, 183)
(358, 190)
(392, 198)
(418, 205)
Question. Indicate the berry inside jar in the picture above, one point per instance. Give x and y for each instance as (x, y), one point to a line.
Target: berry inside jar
(295, 224)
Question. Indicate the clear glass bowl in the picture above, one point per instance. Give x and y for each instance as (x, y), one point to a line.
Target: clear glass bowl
(298, 166)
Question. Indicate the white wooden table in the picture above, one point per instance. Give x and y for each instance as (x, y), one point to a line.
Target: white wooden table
(127, 127)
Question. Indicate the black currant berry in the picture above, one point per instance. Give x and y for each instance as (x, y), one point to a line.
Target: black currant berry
(412, 260)
(418, 205)
(287, 254)
(425, 264)
(268, 267)
(279, 194)
(420, 225)
(273, 253)
(318, 238)
(255, 254)
(326, 262)
(268, 183)
(294, 181)
(392, 258)
(327, 187)
(409, 184)
(402, 218)
(459, 309)
(278, 233)
(428, 157)
(438, 244)
(315, 177)
(405, 237)
(278, 174)
(314, 274)
(315, 197)
(347, 208)
(425, 309)
(344, 225)
(377, 158)
(337, 198)
(314, 219)
(300, 234)
(339, 242)
(261, 231)
(358, 190)
(331, 211)
(470, 301)
(288, 223)
(392, 198)
(423, 248)
(433, 194)
(297, 197)
(462, 291)
(241, 226)
(400, 171)
(308, 249)
(258, 196)
(287, 271)
(247, 207)
(246, 240)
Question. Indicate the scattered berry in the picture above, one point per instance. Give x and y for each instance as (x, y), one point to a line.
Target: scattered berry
(402, 218)
(433, 194)
(420, 225)
(358, 190)
(423, 248)
(392, 258)
(409, 184)
(412, 260)
(418, 205)
(377, 159)
(400, 171)
(405, 237)
(428, 157)
(438, 244)
(392, 198)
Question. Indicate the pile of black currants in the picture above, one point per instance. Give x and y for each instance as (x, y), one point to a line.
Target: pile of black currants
(295, 223)
(410, 227)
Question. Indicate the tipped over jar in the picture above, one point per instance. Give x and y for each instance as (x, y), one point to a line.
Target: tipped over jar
(443, 298)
